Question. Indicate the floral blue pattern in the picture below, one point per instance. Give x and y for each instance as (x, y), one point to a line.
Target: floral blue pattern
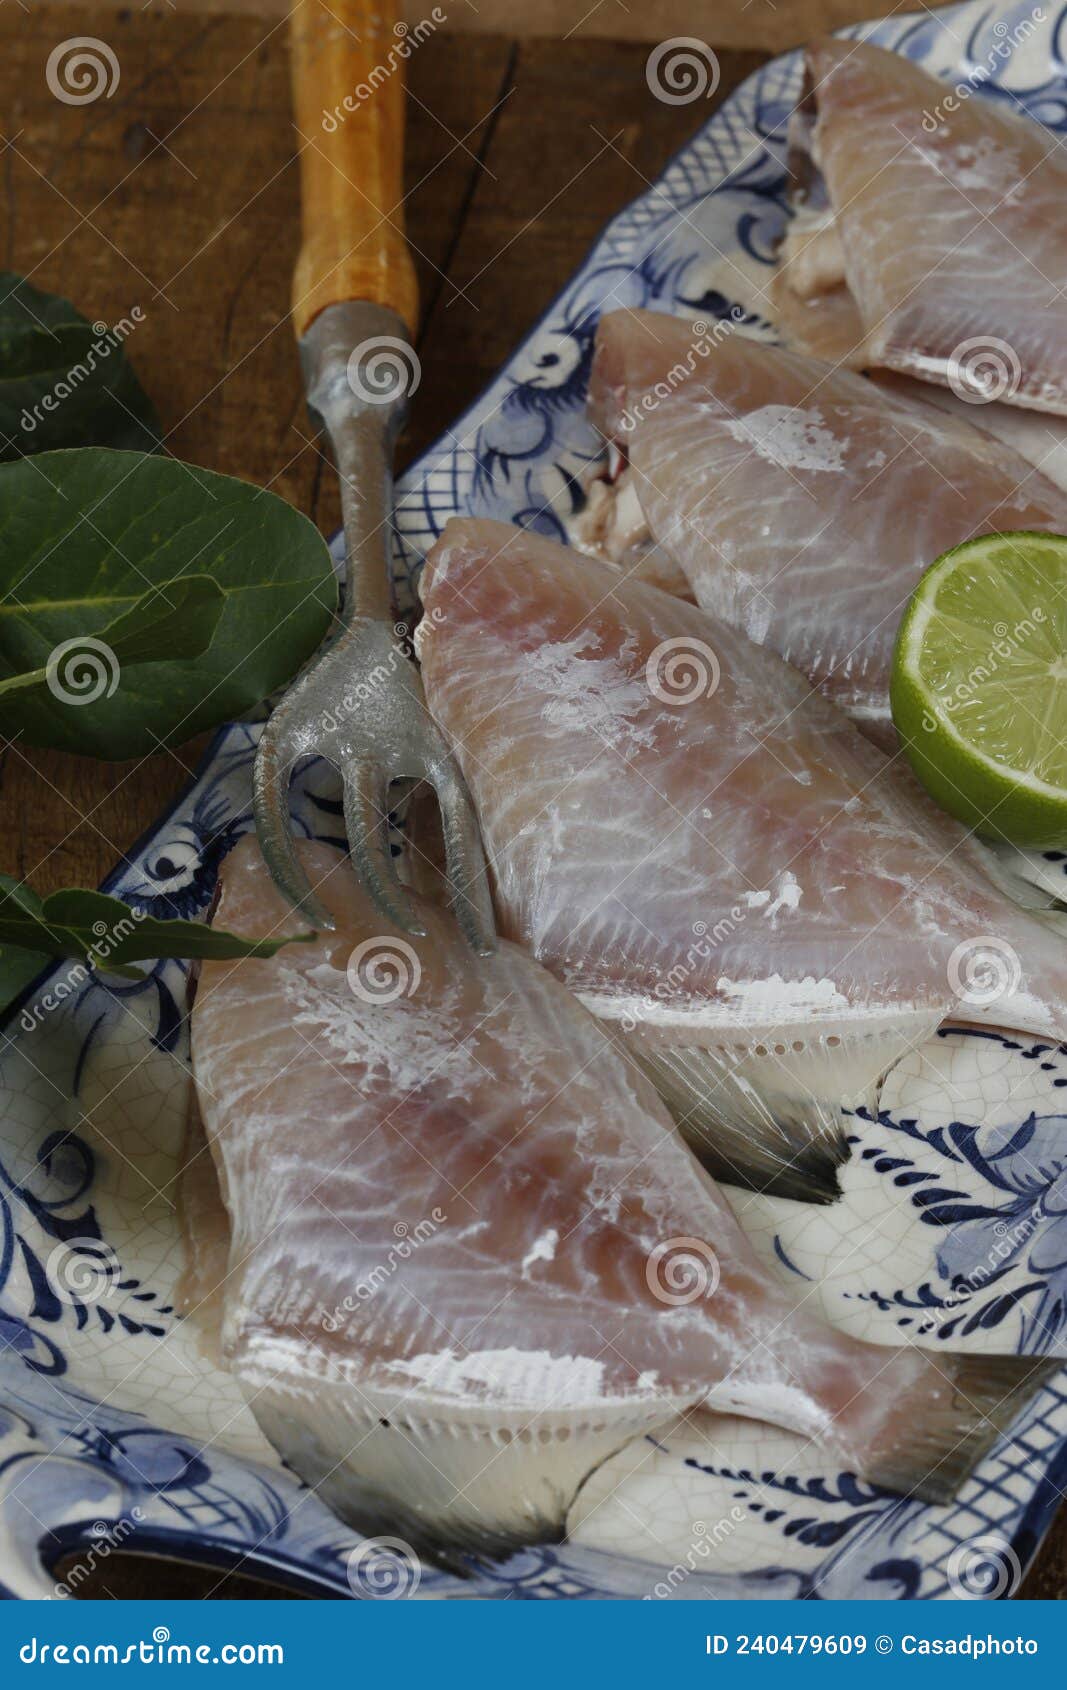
(95, 1430)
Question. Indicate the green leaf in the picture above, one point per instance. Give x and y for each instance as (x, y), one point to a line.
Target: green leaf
(65, 381)
(84, 533)
(17, 969)
(108, 934)
(177, 620)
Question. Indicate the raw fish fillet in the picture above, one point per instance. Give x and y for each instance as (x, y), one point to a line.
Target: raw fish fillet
(802, 502)
(932, 239)
(470, 1257)
(710, 854)
(1035, 435)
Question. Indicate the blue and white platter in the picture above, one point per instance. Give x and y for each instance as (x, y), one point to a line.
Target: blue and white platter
(119, 1431)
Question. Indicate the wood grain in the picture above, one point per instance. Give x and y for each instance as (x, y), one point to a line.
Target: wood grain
(765, 24)
(179, 194)
(348, 108)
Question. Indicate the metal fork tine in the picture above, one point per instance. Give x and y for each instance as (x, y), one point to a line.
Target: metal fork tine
(271, 809)
(366, 817)
(471, 898)
(359, 703)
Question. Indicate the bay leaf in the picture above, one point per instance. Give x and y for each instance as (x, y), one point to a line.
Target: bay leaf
(110, 935)
(84, 534)
(17, 969)
(65, 381)
(176, 620)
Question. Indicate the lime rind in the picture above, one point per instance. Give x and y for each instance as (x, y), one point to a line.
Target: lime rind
(979, 685)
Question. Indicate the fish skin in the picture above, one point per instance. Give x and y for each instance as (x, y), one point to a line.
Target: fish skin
(753, 443)
(743, 873)
(520, 1339)
(950, 222)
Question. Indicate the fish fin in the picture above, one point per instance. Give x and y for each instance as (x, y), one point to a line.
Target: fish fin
(453, 1480)
(941, 1447)
(1012, 872)
(785, 1145)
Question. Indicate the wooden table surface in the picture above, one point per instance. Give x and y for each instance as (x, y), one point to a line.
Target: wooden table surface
(179, 195)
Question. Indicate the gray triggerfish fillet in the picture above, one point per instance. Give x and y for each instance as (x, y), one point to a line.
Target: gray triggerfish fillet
(470, 1257)
(710, 854)
(802, 502)
(930, 236)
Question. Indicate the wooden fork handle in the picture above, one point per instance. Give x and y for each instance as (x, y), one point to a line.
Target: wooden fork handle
(348, 60)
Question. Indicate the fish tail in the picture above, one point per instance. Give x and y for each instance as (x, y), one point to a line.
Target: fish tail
(935, 1439)
(775, 1111)
(785, 1145)
(1019, 876)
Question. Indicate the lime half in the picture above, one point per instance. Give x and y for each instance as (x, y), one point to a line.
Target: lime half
(979, 687)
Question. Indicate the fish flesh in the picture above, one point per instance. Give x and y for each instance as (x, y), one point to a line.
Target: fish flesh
(802, 502)
(1035, 435)
(711, 856)
(930, 238)
(470, 1258)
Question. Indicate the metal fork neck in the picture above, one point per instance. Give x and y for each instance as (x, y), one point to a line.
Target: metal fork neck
(362, 426)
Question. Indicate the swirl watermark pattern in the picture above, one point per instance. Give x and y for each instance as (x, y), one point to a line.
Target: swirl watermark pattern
(83, 1270)
(81, 670)
(382, 970)
(81, 70)
(983, 1569)
(682, 70)
(384, 1568)
(681, 670)
(982, 971)
(681, 1271)
(384, 369)
(984, 369)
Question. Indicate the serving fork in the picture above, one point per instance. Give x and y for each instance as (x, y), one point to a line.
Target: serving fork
(360, 703)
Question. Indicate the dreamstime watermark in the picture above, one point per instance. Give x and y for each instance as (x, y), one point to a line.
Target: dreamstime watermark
(81, 670)
(1007, 38)
(408, 1240)
(682, 70)
(108, 340)
(1008, 641)
(705, 1539)
(383, 969)
(107, 936)
(984, 369)
(81, 69)
(984, 1568)
(681, 1271)
(383, 369)
(1009, 1239)
(83, 1270)
(360, 692)
(681, 670)
(408, 37)
(383, 1568)
(984, 970)
(705, 340)
(670, 984)
(155, 1651)
(105, 1538)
